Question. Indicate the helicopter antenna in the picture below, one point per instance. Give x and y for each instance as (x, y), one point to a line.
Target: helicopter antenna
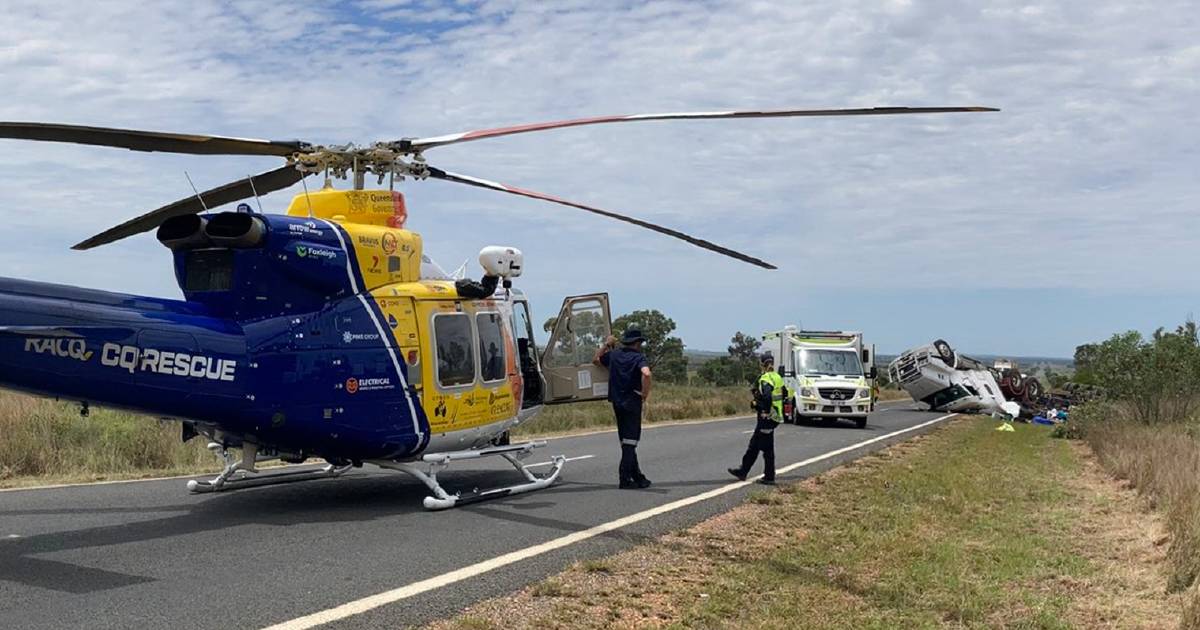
(310, 212)
(198, 196)
(250, 178)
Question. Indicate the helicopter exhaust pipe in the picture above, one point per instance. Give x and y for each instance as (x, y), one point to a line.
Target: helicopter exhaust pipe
(236, 230)
(183, 232)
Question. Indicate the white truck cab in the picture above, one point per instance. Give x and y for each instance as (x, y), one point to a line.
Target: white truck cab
(831, 374)
(945, 380)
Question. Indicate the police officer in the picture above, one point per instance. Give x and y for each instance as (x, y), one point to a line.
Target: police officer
(769, 394)
(628, 389)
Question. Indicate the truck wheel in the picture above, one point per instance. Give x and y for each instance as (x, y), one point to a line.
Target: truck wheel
(944, 351)
(860, 423)
(1033, 390)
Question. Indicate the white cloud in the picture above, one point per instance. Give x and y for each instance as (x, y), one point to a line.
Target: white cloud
(1085, 180)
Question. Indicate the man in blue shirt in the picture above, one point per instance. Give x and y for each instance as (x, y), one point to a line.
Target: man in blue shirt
(628, 389)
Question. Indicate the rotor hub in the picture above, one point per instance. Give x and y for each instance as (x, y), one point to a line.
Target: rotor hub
(380, 159)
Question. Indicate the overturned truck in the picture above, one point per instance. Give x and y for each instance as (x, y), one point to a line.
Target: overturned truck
(945, 380)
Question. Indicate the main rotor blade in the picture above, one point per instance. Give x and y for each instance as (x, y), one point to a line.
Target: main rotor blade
(479, 134)
(137, 140)
(264, 183)
(438, 173)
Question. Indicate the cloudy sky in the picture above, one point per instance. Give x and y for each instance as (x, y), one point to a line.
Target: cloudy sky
(1069, 215)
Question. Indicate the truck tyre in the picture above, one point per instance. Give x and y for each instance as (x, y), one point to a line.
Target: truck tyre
(1033, 390)
(944, 351)
(860, 423)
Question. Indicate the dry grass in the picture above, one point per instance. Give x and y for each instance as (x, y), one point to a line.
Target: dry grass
(888, 394)
(667, 403)
(1162, 462)
(967, 527)
(45, 441)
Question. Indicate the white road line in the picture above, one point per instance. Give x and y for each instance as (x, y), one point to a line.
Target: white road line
(12, 536)
(569, 459)
(365, 604)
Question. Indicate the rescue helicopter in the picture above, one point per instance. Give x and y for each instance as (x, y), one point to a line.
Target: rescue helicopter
(325, 331)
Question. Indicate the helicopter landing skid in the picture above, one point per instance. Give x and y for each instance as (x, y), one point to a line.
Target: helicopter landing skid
(230, 479)
(513, 454)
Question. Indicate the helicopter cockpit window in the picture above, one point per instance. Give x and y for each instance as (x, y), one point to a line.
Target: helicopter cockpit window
(492, 365)
(455, 349)
(208, 270)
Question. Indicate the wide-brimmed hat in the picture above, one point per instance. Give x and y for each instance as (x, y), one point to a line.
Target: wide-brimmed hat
(632, 336)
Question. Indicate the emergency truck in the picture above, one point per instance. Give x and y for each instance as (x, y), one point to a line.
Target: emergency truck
(829, 374)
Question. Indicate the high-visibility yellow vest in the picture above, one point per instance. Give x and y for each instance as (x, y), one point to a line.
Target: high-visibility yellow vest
(773, 379)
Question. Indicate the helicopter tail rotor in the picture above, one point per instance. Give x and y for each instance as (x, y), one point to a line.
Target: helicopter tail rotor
(438, 173)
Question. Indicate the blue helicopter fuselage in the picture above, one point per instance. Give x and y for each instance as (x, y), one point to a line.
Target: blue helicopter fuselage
(278, 342)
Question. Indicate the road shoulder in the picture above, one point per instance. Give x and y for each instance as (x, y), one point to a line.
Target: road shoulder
(964, 526)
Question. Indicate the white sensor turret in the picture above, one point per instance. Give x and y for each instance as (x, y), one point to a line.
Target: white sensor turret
(505, 262)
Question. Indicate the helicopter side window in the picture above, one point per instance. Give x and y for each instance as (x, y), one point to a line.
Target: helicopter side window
(455, 349)
(492, 365)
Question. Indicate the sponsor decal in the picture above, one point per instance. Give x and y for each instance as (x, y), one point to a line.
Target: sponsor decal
(393, 323)
(368, 241)
(64, 348)
(388, 243)
(307, 228)
(135, 359)
(308, 251)
(349, 337)
(355, 385)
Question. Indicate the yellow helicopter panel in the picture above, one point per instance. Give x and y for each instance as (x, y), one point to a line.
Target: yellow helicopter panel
(470, 371)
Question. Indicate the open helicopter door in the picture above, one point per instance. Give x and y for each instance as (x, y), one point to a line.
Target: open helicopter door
(583, 324)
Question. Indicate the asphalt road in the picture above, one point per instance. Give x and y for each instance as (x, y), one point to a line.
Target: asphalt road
(148, 554)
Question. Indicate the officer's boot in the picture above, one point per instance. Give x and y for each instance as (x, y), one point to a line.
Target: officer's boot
(628, 467)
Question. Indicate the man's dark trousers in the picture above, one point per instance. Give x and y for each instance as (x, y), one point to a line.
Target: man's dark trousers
(629, 430)
(762, 441)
